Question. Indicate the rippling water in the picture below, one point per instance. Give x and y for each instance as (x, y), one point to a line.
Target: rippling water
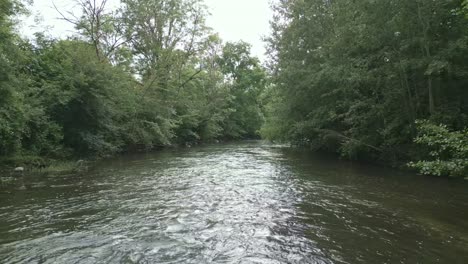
(235, 203)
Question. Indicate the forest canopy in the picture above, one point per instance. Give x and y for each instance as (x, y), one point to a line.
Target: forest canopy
(147, 75)
(354, 78)
(379, 81)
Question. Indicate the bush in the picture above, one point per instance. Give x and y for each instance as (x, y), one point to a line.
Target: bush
(447, 150)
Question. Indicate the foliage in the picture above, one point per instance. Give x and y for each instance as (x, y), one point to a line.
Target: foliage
(465, 8)
(246, 80)
(348, 77)
(23, 126)
(147, 75)
(448, 150)
(351, 77)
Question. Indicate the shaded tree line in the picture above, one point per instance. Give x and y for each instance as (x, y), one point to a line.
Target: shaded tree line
(380, 81)
(145, 75)
(372, 80)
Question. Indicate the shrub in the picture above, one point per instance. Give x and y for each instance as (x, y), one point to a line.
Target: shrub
(447, 150)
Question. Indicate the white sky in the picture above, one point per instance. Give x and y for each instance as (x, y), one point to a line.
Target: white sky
(234, 20)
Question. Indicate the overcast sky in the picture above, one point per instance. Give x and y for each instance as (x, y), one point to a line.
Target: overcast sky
(234, 20)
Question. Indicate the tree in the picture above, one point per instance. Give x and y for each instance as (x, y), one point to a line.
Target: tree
(164, 35)
(352, 77)
(148, 74)
(104, 29)
(246, 80)
(12, 116)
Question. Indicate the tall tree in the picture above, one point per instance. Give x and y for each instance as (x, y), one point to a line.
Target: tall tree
(101, 26)
(12, 119)
(246, 79)
(352, 77)
(164, 35)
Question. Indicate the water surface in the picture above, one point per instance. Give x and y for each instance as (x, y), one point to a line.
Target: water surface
(246, 202)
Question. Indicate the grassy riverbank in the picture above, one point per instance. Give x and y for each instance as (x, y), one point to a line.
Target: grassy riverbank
(33, 165)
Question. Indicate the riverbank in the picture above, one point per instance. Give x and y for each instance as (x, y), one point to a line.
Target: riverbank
(30, 164)
(35, 164)
(25, 166)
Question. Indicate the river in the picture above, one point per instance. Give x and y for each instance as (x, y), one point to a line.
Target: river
(247, 202)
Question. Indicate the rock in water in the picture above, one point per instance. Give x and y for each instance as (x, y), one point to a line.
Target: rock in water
(19, 169)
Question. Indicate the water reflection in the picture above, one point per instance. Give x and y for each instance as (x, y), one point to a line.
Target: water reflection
(235, 203)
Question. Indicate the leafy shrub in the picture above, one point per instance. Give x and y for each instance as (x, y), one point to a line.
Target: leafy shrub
(448, 150)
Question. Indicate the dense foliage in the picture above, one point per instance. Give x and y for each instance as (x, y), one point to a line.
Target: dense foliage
(448, 150)
(352, 77)
(146, 75)
(349, 77)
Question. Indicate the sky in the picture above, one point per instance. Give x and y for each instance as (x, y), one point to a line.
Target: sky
(234, 20)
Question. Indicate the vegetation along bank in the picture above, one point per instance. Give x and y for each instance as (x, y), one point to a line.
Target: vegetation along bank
(380, 81)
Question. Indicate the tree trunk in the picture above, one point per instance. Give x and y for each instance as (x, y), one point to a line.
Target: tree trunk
(431, 96)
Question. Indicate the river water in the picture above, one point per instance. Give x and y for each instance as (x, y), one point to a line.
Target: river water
(246, 202)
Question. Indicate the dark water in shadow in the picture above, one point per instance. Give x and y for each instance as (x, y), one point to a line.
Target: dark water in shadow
(236, 203)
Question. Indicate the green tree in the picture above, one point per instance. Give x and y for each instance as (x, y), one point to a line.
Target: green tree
(352, 77)
(146, 75)
(80, 94)
(246, 80)
(102, 28)
(13, 110)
